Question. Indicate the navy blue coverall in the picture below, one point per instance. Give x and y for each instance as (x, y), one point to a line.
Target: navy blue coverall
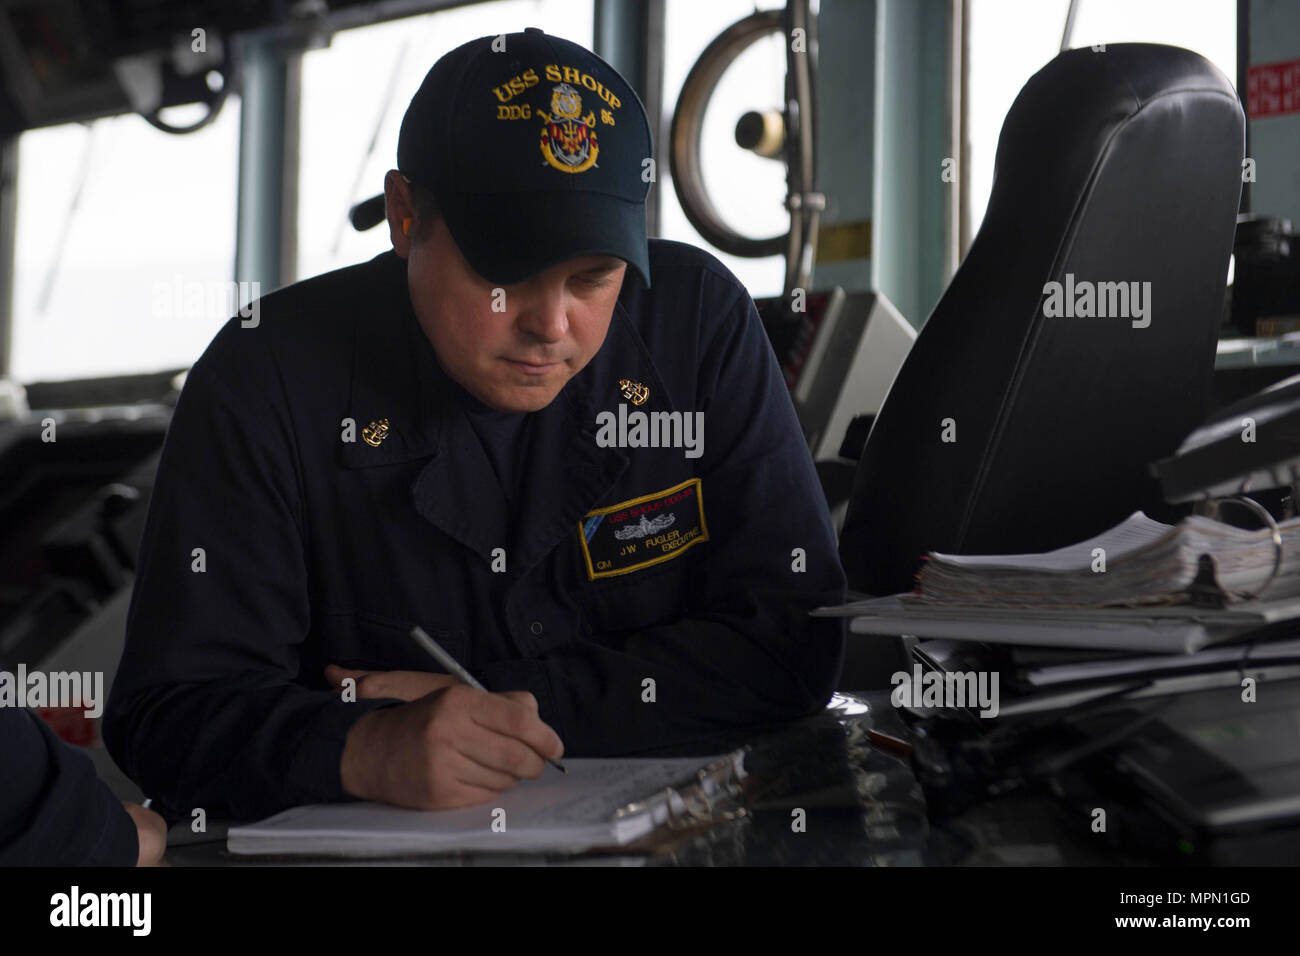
(274, 546)
(54, 810)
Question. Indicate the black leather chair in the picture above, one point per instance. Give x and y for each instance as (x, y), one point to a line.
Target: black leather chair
(1115, 166)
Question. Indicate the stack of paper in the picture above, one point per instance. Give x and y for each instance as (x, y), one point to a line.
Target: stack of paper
(1140, 561)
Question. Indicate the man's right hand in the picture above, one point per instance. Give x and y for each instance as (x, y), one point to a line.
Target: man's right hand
(455, 747)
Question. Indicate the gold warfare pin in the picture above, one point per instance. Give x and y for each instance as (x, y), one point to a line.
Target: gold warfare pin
(375, 432)
(634, 392)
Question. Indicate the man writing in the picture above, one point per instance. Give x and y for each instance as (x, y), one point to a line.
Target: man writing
(563, 450)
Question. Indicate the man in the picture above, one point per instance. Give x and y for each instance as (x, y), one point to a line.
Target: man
(54, 810)
(457, 435)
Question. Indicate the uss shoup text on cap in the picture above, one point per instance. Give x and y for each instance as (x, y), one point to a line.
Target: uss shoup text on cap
(536, 150)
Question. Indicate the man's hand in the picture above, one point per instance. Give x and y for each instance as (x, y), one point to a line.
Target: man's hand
(404, 685)
(151, 833)
(453, 748)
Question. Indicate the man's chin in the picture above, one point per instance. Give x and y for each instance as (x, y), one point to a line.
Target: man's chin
(531, 397)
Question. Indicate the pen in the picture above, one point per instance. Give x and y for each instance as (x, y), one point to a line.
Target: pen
(455, 670)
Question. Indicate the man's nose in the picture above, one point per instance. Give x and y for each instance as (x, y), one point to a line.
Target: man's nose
(543, 314)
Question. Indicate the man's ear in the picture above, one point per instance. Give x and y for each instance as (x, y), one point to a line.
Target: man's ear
(399, 211)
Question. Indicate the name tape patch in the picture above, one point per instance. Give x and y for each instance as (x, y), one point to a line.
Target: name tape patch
(635, 534)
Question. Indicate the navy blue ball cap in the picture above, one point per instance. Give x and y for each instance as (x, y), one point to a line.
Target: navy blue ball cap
(536, 150)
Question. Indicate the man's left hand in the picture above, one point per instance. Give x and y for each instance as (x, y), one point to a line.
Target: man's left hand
(402, 685)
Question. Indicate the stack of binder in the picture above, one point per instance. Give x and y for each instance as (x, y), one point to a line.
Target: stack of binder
(1175, 606)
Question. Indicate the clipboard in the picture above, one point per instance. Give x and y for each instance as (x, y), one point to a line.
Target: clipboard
(713, 796)
(540, 817)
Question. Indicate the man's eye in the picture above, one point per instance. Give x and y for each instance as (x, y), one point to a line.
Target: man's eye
(594, 283)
